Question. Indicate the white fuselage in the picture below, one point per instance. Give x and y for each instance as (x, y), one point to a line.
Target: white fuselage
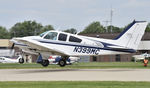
(66, 44)
(88, 46)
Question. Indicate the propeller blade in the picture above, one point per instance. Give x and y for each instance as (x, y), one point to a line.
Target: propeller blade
(12, 48)
(13, 45)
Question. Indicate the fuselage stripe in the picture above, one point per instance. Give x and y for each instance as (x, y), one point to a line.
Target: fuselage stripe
(105, 48)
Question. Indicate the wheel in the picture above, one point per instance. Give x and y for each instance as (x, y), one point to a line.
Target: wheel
(62, 63)
(45, 63)
(21, 60)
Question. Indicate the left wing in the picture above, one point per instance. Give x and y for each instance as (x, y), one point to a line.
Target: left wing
(38, 46)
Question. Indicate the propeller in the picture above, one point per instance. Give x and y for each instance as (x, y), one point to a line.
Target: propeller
(11, 48)
(13, 45)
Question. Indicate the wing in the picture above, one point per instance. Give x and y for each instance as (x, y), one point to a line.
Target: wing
(40, 47)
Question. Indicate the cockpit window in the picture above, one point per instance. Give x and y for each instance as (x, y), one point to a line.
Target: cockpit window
(41, 35)
(74, 39)
(51, 35)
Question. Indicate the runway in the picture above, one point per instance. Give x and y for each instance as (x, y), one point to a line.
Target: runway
(74, 74)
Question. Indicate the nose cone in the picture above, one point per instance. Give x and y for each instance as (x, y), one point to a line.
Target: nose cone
(20, 39)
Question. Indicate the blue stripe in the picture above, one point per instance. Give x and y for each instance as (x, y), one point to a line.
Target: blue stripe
(106, 48)
(125, 30)
(107, 44)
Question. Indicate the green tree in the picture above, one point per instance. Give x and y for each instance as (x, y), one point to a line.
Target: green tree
(72, 30)
(148, 28)
(4, 34)
(26, 28)
(94, 27)
(114, 29)
(47, 28)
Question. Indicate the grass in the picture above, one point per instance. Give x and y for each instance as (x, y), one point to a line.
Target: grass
(89, 65)
(74, 84)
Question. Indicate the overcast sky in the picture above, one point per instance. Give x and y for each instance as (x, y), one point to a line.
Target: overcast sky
(64, 14)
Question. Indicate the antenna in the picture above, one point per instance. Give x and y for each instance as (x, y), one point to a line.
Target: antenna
(111, 20)
(106, 25)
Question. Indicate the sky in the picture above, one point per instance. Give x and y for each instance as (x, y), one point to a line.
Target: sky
(65, 14)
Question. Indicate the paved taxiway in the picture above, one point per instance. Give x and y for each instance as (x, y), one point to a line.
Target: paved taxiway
(74, 74)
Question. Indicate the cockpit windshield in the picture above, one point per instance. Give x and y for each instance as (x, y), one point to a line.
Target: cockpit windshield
(51, 35)
(41, 35)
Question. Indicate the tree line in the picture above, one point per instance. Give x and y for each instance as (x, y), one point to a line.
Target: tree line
(30, 28)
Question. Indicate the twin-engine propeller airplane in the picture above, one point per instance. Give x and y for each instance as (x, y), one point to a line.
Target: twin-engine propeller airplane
(65, 44)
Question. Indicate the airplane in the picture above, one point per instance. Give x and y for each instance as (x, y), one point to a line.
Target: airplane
(141, 57)
(66, 44)
(17, 59)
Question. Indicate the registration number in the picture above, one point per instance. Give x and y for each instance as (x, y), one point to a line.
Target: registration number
(86, 50)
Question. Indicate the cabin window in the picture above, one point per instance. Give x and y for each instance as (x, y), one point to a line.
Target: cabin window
(74, 39)
(62, 37)
(51, 35)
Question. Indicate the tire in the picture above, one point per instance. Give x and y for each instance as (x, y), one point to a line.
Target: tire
(45, 63)
(21, 60)
(62, 63)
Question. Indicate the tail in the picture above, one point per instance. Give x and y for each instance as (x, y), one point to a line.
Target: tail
(132, 35)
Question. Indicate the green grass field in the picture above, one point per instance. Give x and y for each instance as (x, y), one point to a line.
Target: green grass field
(74, 84)
(89, 65)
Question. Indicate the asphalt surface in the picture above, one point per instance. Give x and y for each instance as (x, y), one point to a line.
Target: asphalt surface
(74, 74)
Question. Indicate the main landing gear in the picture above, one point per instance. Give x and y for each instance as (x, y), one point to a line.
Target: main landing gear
(45, 63)
(61, 61)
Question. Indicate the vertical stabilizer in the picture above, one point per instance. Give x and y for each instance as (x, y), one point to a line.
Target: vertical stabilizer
(132, 35)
